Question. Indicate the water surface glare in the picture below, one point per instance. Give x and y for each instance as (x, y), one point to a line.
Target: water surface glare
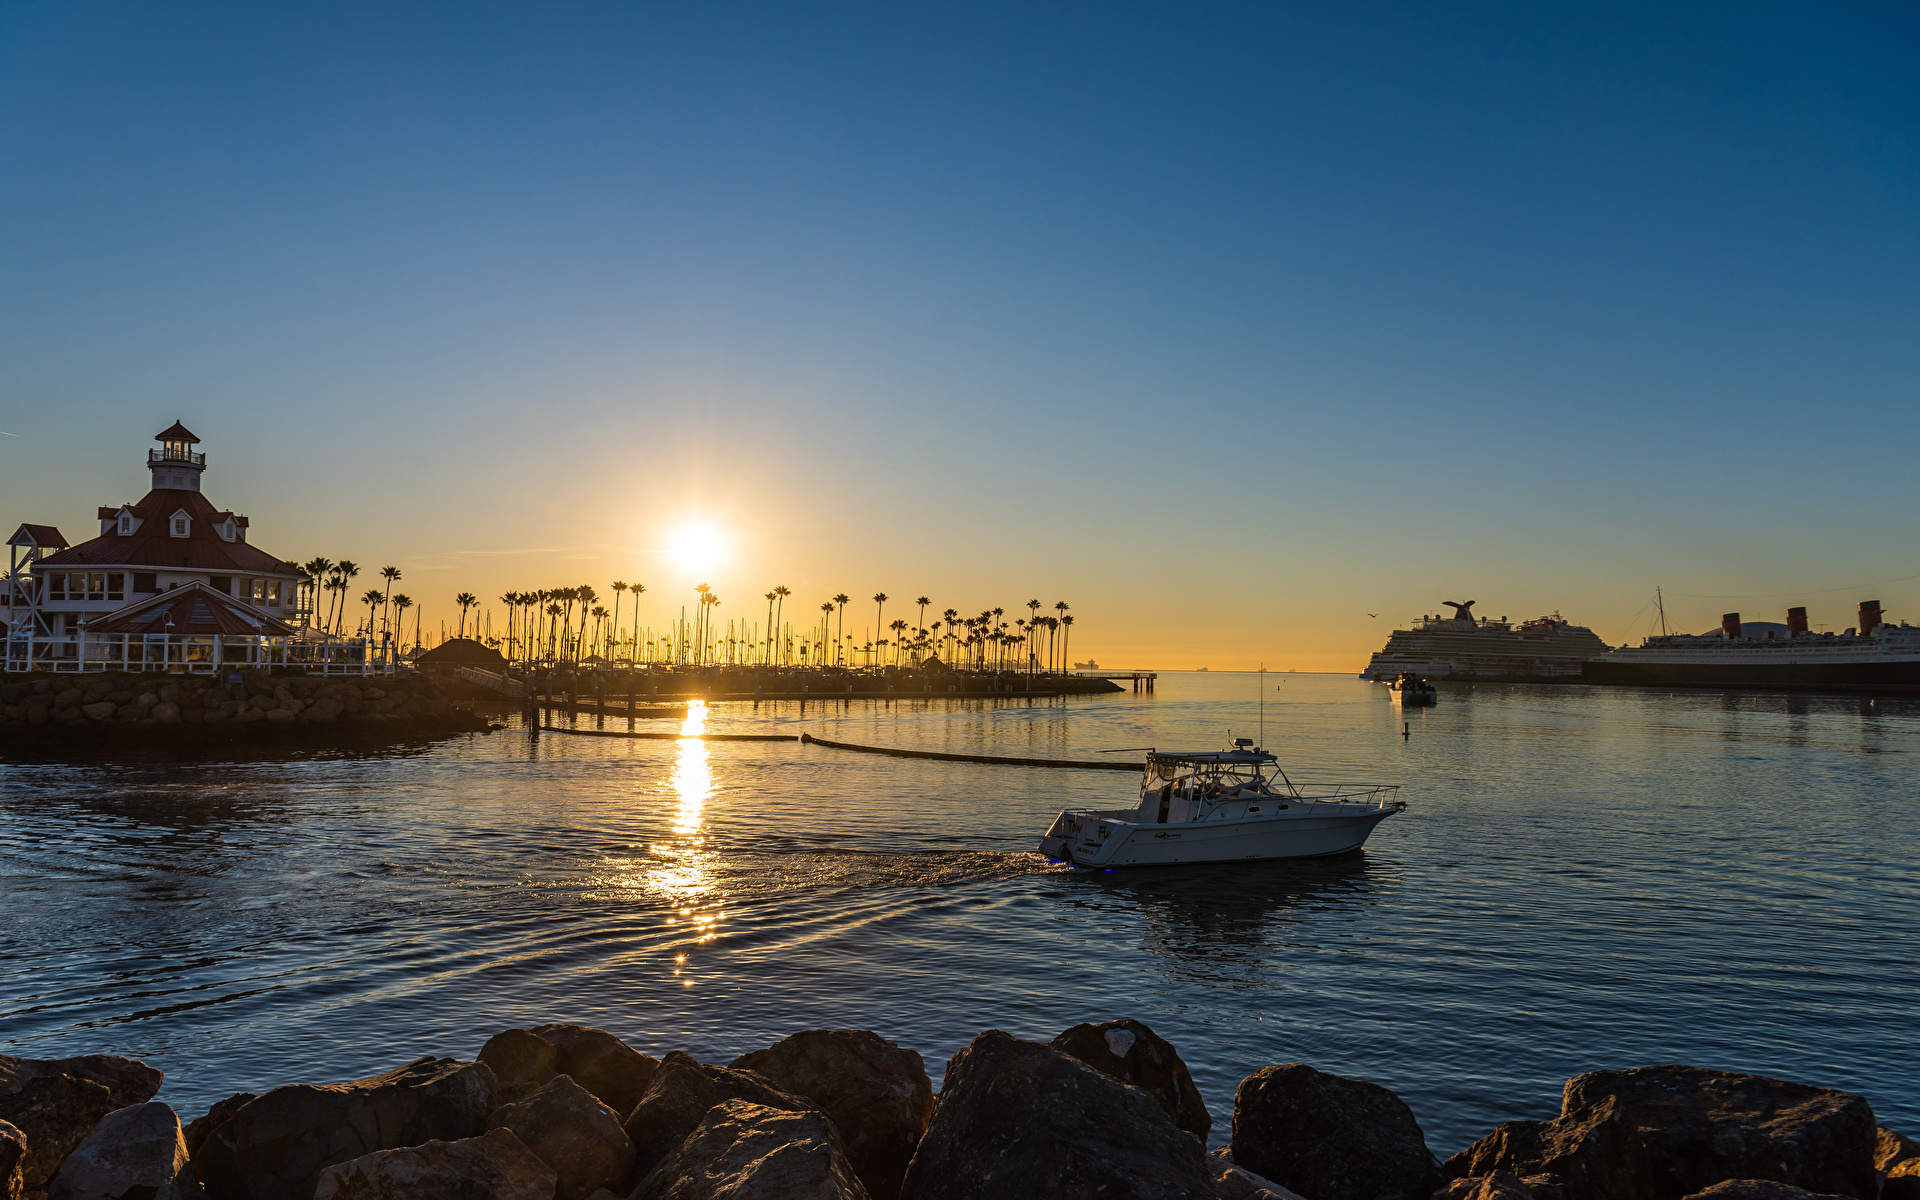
(1585, 878)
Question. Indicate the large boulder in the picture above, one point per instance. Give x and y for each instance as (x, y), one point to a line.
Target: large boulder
(746, 1151)
(127, 1080)
(55, 1102)
(682, 1091)
(1132, 1053)
(1703, 1126)
(276, 1147)
(876, 1092)
(13, 1161)
(1592, 1154)
(602, 1064)
(493, 1166)
(572, 1132)
(522, 1062)
(56, 1113)
(202, 1126)
(1018, 1119)
(134, 1153)
(1757, 1189)
(1328, 1137)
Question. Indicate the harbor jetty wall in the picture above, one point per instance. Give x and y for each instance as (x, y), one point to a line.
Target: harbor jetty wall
(254, 706)
(1107, 1109)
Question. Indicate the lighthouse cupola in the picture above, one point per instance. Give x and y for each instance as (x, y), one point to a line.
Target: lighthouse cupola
(176, 464)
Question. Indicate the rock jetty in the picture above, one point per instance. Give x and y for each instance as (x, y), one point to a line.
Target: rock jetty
(255, 705)
(1106, 1110)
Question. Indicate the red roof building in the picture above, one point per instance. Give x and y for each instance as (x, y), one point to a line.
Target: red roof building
(171, 538)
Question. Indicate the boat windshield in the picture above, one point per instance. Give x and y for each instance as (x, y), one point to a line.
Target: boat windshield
(1222, 773)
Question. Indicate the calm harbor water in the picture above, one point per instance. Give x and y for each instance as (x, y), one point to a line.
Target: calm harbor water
(1585, 878)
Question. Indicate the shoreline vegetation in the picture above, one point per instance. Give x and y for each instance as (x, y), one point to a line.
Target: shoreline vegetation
(1107, 1110)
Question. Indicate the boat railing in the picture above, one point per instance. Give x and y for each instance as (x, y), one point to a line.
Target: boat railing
(1360, 795)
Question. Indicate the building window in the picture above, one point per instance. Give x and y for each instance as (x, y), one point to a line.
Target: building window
(57, 586)
(221, 583)
(143, 582)
(273, 593)
(179, 527)
(126, 524)
(96, 585)
(116, 589)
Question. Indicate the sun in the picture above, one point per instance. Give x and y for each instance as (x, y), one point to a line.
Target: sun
(696, 547)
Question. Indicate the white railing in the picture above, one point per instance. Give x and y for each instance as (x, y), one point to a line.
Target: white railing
(182, 654)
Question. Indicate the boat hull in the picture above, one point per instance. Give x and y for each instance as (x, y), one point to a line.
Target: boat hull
(1130, 845)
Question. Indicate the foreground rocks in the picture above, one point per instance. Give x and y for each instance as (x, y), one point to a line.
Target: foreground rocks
(1018, 1119)
(56, 1102)
(134, 1153)
(275, 1147)
(848, 1115)
(742, 1150)
(1132, 1053)
(573, 1133)
(877, 1094)
(1329, 1138)
(493, 1166)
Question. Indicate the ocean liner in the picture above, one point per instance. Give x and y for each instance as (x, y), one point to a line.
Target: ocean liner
(1873, 656)
(1467, 647)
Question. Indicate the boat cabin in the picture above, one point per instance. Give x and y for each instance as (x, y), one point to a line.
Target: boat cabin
(1178, 788)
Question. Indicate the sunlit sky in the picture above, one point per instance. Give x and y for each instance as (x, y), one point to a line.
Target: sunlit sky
(1251, 332)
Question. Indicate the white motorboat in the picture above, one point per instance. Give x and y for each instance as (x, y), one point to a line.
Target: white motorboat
(1226, 806)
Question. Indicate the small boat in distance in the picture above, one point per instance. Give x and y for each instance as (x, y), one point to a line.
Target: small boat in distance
(1414, 691)
(1224, 806)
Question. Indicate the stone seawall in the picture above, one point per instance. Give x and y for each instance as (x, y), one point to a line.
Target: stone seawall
(258, 706)
(1103, 1111)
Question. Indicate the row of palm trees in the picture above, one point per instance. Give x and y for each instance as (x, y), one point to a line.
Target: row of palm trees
(569, 624)
(386, 610)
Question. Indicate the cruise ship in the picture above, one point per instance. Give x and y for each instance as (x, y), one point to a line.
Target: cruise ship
(1463, 646)
(1872, 656)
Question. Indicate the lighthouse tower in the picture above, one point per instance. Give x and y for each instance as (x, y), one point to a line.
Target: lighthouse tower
(176, 464)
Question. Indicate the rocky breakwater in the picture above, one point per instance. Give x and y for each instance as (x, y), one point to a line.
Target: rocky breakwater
(568, 1112)
(256, 705)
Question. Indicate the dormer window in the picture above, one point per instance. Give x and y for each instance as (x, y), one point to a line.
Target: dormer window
(126, 525)
(225, 529)
(180, 524)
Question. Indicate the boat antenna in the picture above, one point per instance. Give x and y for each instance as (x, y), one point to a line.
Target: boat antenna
(1263, 706)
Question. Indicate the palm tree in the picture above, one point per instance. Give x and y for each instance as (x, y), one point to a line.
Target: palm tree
(316, 568)
(1066, 638)
(465, 600)
(899, 628)
(553, 627)
(343, 573)
(879, 607)
(619, 587)
(951, 617)
(780, 616)
(842, 600)
(400, 606)
(770, 598)
(392, 576)
(599, 623)
(923, 601)
(512, 601)
(373, 600)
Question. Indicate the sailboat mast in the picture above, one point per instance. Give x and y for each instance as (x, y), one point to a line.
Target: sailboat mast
(1660, 602)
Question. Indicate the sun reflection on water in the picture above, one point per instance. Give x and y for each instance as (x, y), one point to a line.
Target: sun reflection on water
(686, 873)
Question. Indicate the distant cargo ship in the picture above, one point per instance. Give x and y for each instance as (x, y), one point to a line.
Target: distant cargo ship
(1873, 656)
(1463, 646)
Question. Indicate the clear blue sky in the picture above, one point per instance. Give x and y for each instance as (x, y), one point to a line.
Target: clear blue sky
(1229, 325)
